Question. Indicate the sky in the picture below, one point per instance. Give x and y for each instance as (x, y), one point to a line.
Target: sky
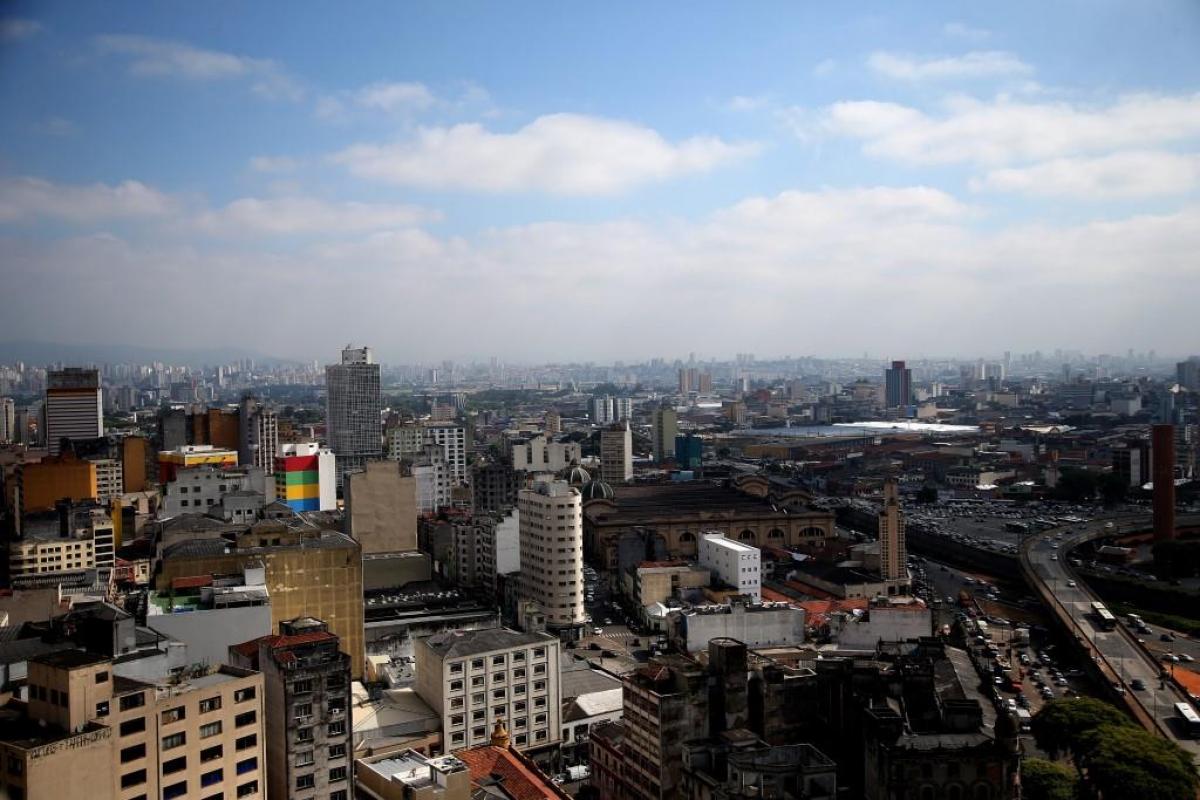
(568, 181)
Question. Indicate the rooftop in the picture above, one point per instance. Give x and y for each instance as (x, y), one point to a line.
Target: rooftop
(453, 644)
(681, 499)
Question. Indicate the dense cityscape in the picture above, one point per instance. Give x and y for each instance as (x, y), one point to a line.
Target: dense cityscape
(678, 578)
(465, 400)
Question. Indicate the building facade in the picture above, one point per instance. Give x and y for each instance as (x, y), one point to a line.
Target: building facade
(893, 547)
(258, 439)
(898, 385)
(306, 680)
(552, 552)
(616, 454)
(305, 477)
(474, 679)
(666, 428)
(352, 410)
(74, 406)
(735, 564)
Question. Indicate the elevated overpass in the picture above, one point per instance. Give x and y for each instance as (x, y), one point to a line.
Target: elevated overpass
(1117, 654)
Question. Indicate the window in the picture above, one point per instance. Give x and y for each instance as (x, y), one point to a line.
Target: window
(173, 741)
(477, 664)
(539, 652)
(303, 711)
(337, 774)
(247, 765)
(102, 709)
(305, 759)
(304, 734)
(174, 765)
(337, 728)
(135, 778)
(497, 694)
(456, 702)
(340, 794)
(476, 681)
(457, 738)
(305, 781)
(133, 752)
(247, 789)
(245, 718)
(210, 704)
(456, 686)
(211, 729)
(497, 661)
(337, 751)
(102, 677)
(242, 695)
(456, 667)
(246, 742)
(519, 673)
(302, 686)
(211, 753)
(132, 726)
(478, 732)
(519, 655)
(214, 777)
(174, 790)
(172, 715)
(131, 701)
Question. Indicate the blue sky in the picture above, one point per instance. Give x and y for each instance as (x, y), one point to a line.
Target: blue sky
(463, 180)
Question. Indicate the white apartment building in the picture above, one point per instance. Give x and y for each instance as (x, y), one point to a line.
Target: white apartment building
(197, 489)
(733, 563)
(600, 409)
(551, 539)
(622, 408)
(405, 441)
(433, 480)
(73, 540)
(540, 454)
(452, 438)
(485, 547)
(474, 678)
(259, 431)
(616, 454)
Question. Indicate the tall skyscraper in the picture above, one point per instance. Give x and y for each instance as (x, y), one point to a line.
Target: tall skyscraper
(666, 428)
(1187, 373)
(551, 535)
(601, 410)
(1162, 454)
(616, 453)
(352, 410)
(893, 550)
(258, 438)
(74, 406)
(898, 388)
(8, 420)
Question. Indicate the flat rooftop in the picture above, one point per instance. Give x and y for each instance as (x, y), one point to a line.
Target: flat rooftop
(682, 499)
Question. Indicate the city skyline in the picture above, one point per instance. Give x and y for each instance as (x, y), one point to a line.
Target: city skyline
(836, 180)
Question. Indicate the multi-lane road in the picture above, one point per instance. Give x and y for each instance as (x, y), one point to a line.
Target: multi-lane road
(1117, 651)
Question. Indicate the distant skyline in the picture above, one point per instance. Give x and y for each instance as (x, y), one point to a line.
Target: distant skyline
(540, 182)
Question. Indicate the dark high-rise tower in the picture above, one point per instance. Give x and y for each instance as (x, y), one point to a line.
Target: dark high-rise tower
(1162, 442)
(898, 385)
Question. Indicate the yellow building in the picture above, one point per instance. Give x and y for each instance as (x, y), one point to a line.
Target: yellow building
(43, 483)
(193, 455)
(309, 573)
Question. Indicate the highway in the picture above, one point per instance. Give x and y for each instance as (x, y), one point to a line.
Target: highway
(1043, 559)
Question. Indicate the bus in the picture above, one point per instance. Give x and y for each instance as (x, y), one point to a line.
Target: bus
(1016, 527)
(1189, 720)
(1104, 616)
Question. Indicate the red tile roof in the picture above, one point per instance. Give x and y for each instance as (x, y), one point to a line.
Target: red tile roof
(518, 775)
(191, 582)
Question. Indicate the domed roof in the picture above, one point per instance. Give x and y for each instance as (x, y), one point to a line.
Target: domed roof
(577, 475)
(596, 490)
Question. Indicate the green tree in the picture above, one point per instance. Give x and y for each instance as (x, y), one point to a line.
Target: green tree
(1047, 780)
(1126, 761)
(927, 494)
(1059, 727)
(1076, 485)
(1113, 488)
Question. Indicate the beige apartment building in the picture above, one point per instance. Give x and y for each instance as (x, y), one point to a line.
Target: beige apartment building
(87, 734)
(474, 678)
(551, 534)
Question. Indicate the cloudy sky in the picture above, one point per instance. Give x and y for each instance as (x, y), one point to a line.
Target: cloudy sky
(602, 181)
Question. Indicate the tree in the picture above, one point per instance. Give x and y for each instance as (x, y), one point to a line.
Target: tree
(1059, 727)
(927, 494)
(1047, 780)
(1076, 485)
(1125, 761)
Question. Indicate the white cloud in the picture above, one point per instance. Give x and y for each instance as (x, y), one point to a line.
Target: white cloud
(825, 271)
(961, 30)
(1004, 131)
(274, 164)
(394, 97)
(13, 29)
(825, 67)
(24, 199)
(1120, 175)
(744, 103)
(978, 64)
(568, 154)
(150, 57)
(304, 216)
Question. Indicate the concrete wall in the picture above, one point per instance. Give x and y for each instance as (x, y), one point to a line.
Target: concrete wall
(381, 508)
(889, 625)
(208, 634)
(755, 627)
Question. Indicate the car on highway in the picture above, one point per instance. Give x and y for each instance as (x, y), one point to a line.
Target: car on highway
(1071, 584)
(1185, 657)
(1165, 637)
(1060, 681)
(1137, 684)
(598, 631)
(1054, 558)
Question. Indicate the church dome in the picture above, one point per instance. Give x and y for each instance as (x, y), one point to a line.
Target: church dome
(578, 476)
(596, 490)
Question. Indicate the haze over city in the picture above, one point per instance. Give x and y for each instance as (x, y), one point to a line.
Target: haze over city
(536, 182)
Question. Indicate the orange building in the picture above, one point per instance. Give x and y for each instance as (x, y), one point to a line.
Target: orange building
(134, 451)
(44, 483)
(223, 431)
